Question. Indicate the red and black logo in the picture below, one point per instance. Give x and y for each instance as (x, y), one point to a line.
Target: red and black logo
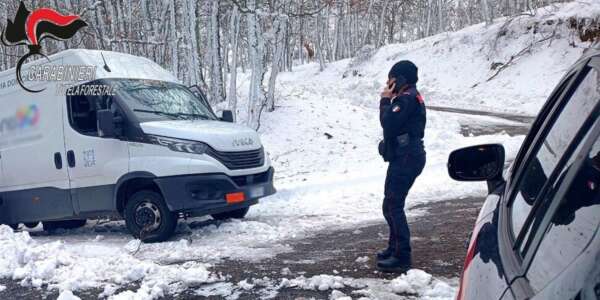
(30, 28)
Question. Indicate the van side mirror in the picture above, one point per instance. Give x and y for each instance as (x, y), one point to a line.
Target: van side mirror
(477, 163)
(227, 116)
(106, 123)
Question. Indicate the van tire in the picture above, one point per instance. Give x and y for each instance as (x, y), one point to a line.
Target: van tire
(234, 214)
(149, 207)
(67, 224)
(31, 225)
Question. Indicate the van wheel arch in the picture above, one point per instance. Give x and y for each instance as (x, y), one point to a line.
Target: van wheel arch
(131, 183)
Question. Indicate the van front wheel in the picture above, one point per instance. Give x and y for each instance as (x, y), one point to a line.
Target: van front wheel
(234, 214)
(148, 218)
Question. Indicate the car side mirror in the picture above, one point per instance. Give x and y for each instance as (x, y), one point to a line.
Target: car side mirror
(106, 123)
(477, 163)
(227, 116)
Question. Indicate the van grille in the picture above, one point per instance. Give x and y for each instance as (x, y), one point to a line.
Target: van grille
(245, 180)
(239, 160)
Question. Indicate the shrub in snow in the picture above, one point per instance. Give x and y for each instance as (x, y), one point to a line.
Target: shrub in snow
(362, 56)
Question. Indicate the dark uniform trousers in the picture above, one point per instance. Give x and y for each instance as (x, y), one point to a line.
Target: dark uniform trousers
(401, 175)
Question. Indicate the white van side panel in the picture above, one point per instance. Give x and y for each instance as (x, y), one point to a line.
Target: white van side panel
(30, 135)
(36, 183)
(158, 160)
(1, 173)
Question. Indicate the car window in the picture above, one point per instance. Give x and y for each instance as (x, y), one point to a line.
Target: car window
(545, 160)
(537, 125)
(573, 225)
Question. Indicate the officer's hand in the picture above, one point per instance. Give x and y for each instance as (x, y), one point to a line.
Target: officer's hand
(388, 90)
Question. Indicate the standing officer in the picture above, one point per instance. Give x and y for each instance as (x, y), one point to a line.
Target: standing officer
(402, 116)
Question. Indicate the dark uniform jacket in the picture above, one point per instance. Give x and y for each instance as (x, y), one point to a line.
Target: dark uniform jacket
(403, 121)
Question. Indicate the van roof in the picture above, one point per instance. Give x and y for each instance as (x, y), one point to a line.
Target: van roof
(121, 65)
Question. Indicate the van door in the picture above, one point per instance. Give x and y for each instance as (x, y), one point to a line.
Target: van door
(35, 184)
(95, 164)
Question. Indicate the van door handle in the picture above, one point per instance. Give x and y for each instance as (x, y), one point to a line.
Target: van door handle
(58, 160)
(71, 158)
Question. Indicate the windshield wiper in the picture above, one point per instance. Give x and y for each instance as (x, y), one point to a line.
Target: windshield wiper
(198, 116)
(179, 115)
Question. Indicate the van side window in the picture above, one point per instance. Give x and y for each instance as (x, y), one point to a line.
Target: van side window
(82, 112)
(573, 225)
(545, 161)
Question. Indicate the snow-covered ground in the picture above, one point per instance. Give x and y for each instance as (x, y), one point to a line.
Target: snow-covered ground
(322, 140)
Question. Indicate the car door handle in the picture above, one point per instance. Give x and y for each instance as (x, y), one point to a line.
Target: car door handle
(71, 158)
(58, 160)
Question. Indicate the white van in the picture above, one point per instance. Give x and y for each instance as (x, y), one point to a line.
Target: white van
(150, 151)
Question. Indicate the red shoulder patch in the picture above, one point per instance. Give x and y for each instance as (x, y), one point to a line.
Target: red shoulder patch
(420, 99)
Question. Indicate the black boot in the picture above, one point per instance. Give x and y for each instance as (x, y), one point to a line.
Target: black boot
(393, 265)
(384, 254)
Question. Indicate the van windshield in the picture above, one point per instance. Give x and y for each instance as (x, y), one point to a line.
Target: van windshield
(153, 100)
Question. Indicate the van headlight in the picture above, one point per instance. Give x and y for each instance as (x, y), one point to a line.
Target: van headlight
(179, 145)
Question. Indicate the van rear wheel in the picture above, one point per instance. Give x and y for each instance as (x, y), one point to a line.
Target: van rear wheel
(234, 214)
(148, 218)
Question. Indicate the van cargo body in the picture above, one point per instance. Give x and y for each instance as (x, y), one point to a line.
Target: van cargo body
(130, 142)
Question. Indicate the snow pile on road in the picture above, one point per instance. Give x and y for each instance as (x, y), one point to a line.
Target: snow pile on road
(33, 264)
(414, 284)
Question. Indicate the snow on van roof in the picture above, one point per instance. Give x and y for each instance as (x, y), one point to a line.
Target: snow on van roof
(121, 65)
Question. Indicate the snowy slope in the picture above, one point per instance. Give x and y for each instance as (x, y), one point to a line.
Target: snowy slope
(322, 139)
(454, 67)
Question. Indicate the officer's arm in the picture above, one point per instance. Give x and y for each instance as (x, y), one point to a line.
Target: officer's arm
(384, 104)
(398, 113)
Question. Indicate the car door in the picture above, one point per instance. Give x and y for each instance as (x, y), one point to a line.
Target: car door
(95, 163)
(565, 244)
(545, 163)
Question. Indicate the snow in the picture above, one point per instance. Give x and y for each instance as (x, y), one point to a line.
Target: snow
(362, 259)
(451, 64)
(67, 295)
(322, 140)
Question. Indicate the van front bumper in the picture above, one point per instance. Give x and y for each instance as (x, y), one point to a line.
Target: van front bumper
(205, 194)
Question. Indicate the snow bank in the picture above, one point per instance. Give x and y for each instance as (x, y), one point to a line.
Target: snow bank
(34, 263)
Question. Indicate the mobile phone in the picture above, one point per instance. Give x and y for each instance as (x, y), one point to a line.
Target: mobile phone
(400, 81)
